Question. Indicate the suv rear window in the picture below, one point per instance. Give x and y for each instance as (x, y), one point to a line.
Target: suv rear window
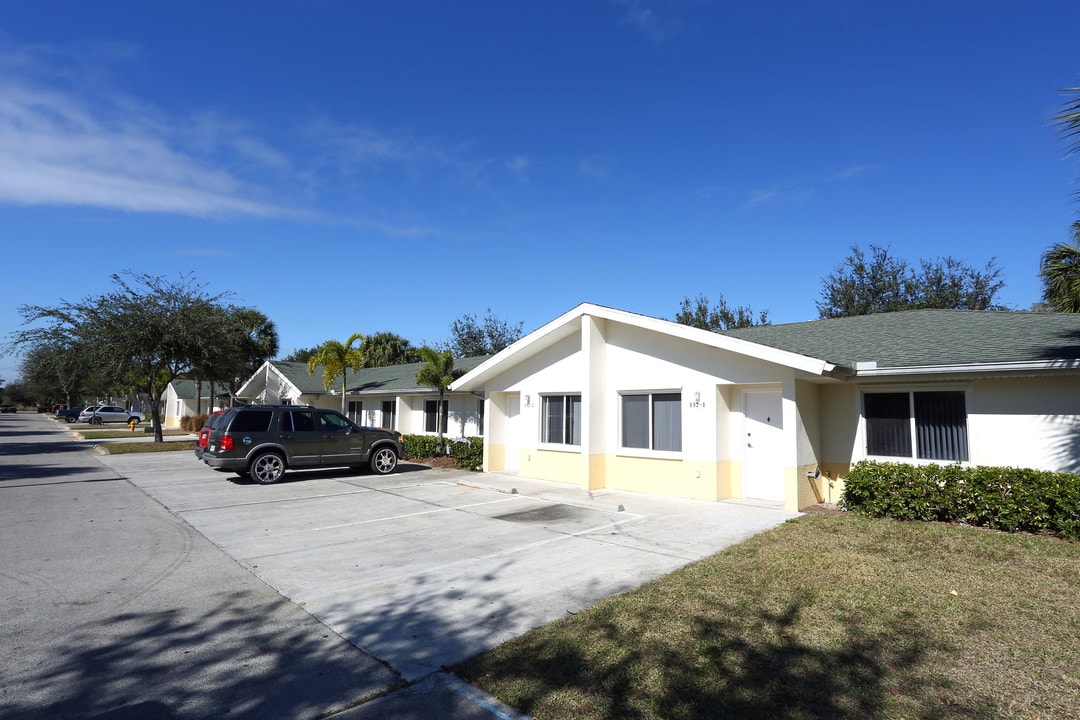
(252, 421)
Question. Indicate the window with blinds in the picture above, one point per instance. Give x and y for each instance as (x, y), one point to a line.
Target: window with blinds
(933, 423)
(652, 421)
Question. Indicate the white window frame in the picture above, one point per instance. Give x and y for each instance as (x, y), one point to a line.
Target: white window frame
(435, 412)
(566, 415)
(650, 451)
(911, 390)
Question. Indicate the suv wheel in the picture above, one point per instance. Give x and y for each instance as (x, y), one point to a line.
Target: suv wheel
(267, 467)
(383, 461)
(96, 420)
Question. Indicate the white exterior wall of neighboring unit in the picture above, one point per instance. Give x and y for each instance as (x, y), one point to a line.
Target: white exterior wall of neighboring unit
(464, 414)
(1026, 422)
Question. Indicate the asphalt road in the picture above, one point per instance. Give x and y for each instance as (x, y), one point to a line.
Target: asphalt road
(111, 607)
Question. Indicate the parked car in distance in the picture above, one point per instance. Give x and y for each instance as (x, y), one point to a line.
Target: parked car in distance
(8, 409)
(98, 414)
(69, 414)
(204, 432)
(263, 441)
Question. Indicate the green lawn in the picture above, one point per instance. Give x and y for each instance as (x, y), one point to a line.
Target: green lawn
(824, 617)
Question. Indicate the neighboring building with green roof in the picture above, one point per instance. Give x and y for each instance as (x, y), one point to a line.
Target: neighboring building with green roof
(386, 397)
(603, 398)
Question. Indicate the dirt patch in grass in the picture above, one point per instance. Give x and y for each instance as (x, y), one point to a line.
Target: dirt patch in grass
(827, 616)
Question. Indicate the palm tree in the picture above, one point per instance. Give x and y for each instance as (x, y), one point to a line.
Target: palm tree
(438, 373)
(258, 335)
(336, 358)
(1059, 270)
(1068, 120)
(256, 339)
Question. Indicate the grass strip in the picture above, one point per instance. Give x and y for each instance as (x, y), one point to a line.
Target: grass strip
(835, 616)
(126, 448)
(110, 434)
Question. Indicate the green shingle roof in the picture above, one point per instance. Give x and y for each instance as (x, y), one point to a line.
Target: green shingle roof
(394, 378)
(927, 337)
(185, 388)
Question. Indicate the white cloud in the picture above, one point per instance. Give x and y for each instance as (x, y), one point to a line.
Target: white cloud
(647, 21)
(65, 146)
(596, 167)
(803, 189)
(519, 166)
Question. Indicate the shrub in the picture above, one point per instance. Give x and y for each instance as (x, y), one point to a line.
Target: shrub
(193, 423)
(1008, 499)
(467, 453)
(417, 447)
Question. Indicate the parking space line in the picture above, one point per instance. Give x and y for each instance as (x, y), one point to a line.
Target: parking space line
(271, 501)
(384, 519)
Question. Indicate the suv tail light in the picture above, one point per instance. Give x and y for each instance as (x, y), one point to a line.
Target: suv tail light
(227, 443)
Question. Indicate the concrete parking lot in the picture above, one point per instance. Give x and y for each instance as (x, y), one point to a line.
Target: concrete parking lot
(149, 583)
(424, 568)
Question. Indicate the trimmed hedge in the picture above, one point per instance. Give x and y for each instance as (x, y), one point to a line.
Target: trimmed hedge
(1010, 499)
(467, 453)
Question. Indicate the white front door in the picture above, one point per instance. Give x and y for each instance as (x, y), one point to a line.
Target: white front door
(763, 469)
(513, 443)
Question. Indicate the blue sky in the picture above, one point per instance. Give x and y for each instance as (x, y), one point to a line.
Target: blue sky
(401, 164)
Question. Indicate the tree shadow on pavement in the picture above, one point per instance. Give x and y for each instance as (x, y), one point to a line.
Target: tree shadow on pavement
(240, 658)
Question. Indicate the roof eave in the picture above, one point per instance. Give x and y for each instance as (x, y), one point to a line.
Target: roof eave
(1023, 366)
(540, 338)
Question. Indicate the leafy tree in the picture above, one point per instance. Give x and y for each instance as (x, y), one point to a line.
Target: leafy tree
(438, 372)
(243, 338)
(1059, 271)
(56, 371)
(16, 393)
(144, 334)
(385, 348)
(336, 358)
(470, 337)
(884, 283)
(697, 313)
(300, 355)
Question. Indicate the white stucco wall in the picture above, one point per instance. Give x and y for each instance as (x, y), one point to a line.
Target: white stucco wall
(464, 417)
(1020, 422)
(1026, 422)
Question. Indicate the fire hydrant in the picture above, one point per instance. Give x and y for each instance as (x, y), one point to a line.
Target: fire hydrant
(131, 424)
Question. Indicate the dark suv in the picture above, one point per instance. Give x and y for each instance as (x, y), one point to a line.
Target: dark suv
(262, 441)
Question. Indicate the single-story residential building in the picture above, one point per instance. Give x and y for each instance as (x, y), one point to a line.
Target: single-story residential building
(604, 398)
(179, 401)
(387, 397)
